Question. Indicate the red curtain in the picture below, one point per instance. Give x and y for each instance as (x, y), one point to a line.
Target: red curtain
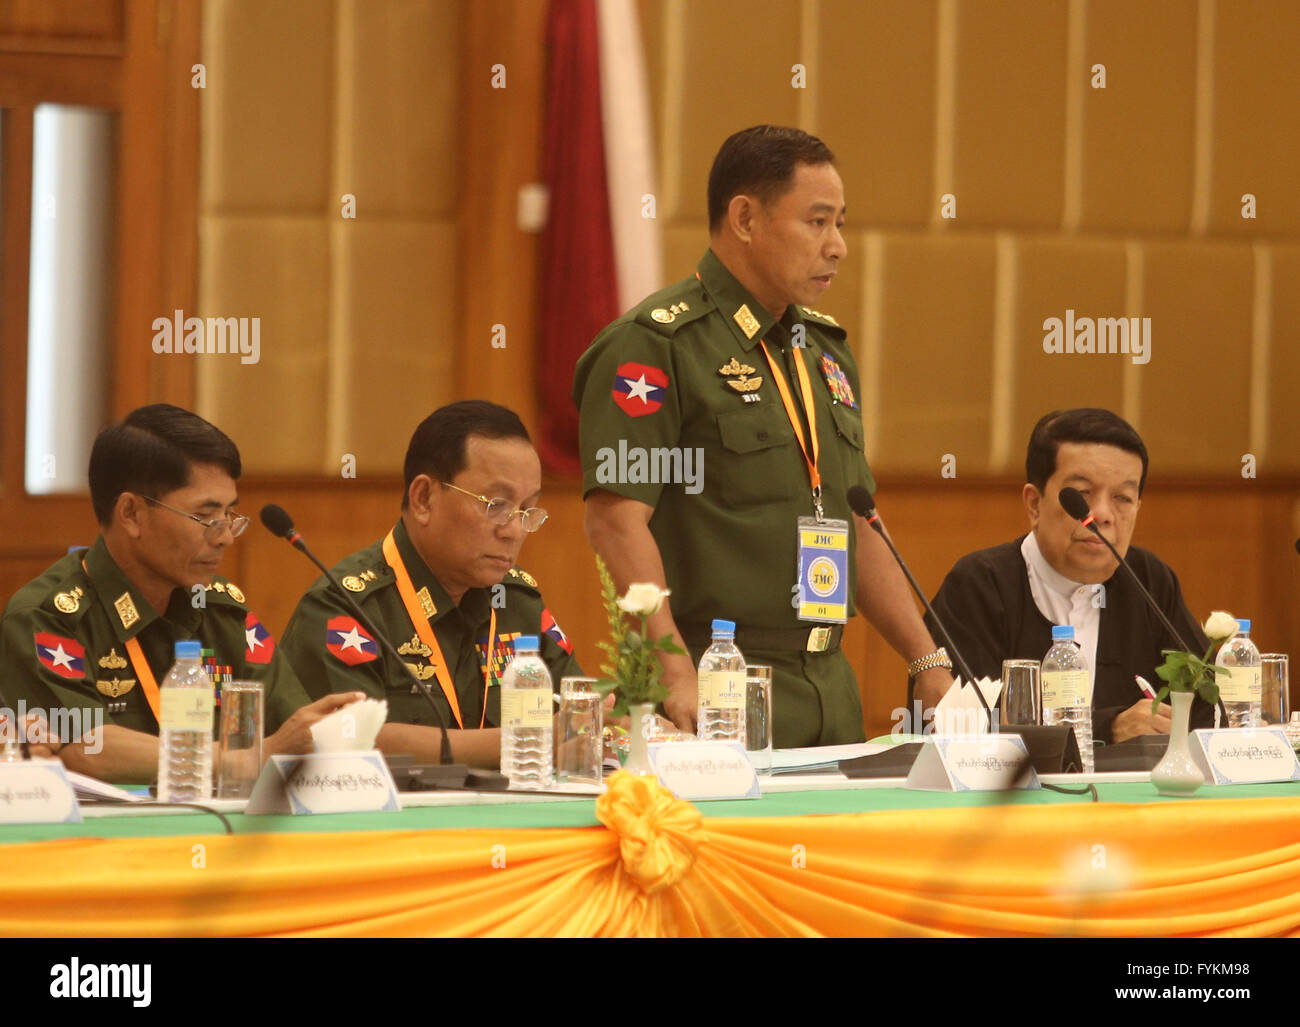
(578, 282)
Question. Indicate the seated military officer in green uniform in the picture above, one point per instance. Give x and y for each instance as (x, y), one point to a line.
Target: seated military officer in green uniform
(732, 374)
(97, 630)
(443, 587)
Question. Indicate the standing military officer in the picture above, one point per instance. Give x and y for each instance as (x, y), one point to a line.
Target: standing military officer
(96, 632)
(734, 365)
(443, 587)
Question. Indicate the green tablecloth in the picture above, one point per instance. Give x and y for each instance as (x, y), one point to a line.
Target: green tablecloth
(534, 813)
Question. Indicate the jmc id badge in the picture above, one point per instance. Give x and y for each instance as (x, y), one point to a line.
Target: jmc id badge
(823, 570)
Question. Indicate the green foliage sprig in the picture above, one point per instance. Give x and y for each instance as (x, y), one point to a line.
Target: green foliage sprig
(634, 670)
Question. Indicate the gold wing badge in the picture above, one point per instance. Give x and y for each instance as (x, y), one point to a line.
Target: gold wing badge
(423, 671)
(741, 378)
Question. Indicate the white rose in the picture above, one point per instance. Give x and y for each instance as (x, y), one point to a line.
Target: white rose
(1219, 626)
(645, 599)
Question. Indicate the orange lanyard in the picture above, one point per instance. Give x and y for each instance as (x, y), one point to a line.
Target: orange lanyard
(805, 388)
(422, 628)
(141, 667)
(142, 671)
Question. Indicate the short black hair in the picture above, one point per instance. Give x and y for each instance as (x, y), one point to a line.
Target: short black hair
(438, 446)
(760, 161)
(1086, 424)
(151, 451)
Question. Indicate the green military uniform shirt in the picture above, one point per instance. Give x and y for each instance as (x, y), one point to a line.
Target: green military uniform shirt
(332, 652)
(684, 372)
(63, 642)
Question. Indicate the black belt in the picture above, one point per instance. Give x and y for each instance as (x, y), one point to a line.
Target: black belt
(819, 638)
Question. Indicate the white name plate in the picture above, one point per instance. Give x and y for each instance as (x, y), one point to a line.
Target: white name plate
(705, 770)
(325, 782)
(37, 792)
(972, 763)
(1239, 756)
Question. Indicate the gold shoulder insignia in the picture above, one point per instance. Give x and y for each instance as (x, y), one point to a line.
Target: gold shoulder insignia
(235, 592)
(818, 313)
(217, 586)
(66, 602)
(528, 579)
(354, 584)
(664, 317)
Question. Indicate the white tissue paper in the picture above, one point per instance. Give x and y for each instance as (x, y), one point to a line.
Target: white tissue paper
(352, 728)
(959, 712)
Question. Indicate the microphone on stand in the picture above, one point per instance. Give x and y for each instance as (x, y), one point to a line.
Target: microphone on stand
(447, 774)
(862, 504)
(1073, 503)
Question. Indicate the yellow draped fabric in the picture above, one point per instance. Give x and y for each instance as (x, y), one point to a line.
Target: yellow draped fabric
(658, 868)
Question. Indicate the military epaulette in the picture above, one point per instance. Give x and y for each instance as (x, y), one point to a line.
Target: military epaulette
(226, 589)
(668, 312)
(366, 579)
(823, 319)
(517, 576)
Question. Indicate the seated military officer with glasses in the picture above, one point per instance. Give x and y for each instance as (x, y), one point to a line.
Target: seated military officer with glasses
(97, 630)
(443, 587)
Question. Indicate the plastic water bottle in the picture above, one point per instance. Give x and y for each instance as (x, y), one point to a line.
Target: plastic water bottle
(1243, 692)
(721, 713)
(185, 729)
(527, 746)
(1067, 690)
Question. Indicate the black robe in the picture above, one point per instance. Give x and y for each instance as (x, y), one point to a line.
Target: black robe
(986, 604)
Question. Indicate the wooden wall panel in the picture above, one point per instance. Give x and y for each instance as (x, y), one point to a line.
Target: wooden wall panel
(68, 25)
(500, 151)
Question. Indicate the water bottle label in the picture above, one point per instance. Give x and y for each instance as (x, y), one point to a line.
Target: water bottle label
(1241, 684)
(185, 709)
(722, 690)
(525, 707)
(1065, 688)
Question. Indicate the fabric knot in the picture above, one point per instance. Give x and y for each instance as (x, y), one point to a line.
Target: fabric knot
(657, 833)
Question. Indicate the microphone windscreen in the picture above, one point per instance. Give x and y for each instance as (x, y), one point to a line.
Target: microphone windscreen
(860, 501)
(1073, 503)
(277, 520)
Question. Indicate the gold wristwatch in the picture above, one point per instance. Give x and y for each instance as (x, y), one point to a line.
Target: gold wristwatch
(938, 658)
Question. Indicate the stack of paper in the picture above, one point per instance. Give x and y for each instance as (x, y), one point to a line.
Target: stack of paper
(820, 757)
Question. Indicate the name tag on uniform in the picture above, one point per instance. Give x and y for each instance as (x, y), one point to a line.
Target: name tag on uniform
(823, 570)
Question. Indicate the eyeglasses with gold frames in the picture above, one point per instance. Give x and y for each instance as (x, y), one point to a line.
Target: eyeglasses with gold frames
(213, 527)
(501, 511)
